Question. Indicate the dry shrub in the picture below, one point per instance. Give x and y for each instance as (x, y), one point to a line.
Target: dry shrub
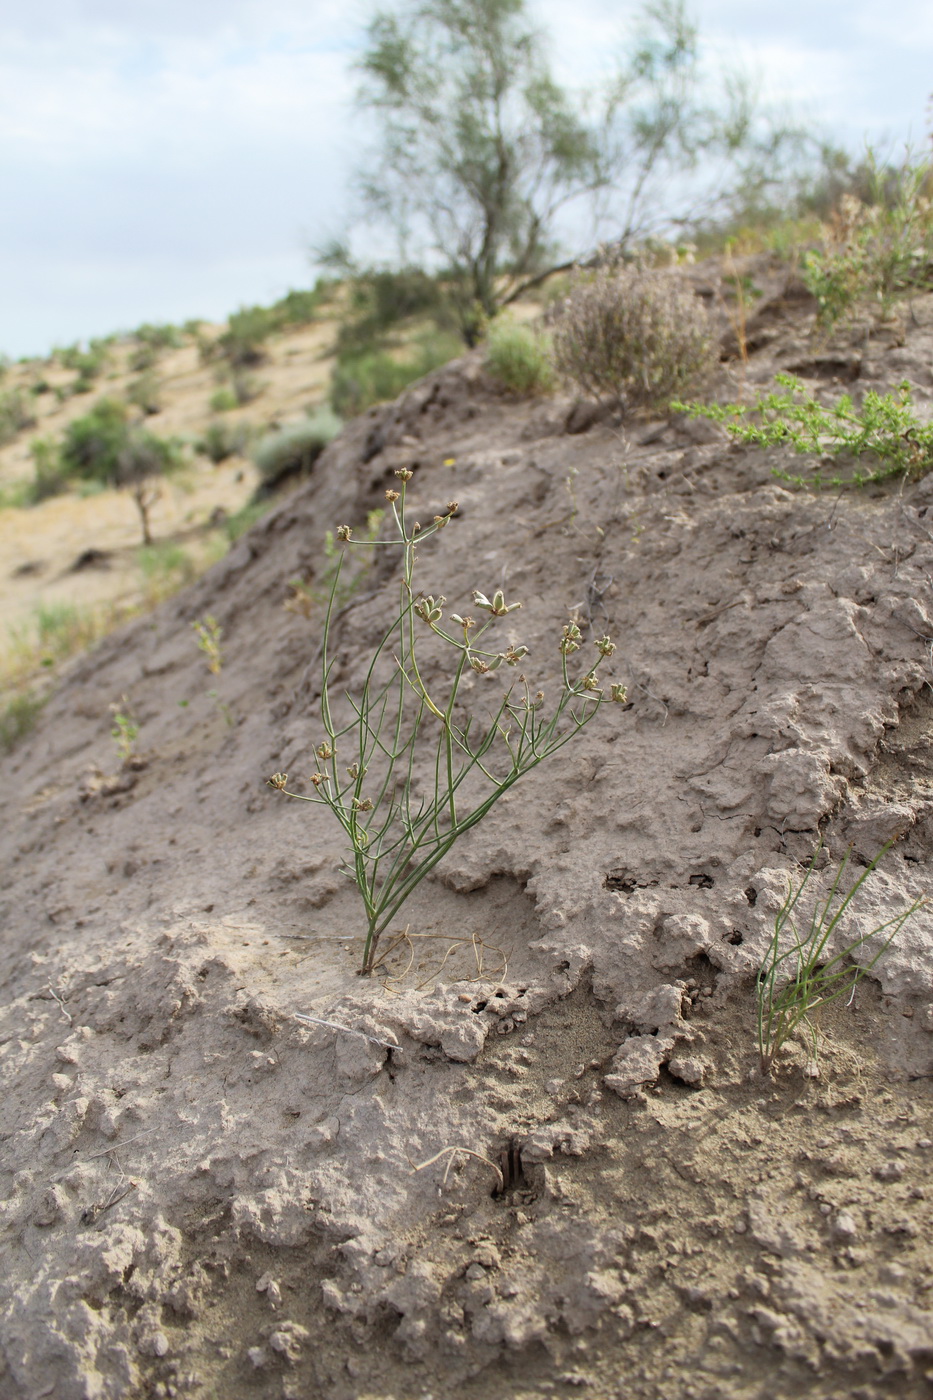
(634, 335)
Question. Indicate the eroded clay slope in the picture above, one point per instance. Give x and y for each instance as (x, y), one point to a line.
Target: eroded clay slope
(206, 1196)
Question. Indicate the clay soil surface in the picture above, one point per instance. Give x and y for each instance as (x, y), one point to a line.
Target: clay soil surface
(204, 1196)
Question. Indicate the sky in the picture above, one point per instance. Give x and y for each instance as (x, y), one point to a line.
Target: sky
(166, 159)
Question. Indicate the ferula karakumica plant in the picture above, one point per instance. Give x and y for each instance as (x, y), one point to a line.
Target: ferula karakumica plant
(404, 721)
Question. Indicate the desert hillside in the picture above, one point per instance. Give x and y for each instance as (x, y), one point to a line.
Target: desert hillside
(206, 1195)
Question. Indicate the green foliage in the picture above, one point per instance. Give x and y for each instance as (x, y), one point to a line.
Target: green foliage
(49, 479)
(107, 447)
(380, 300)
(146, 393)
(162, 336)
(885, 430)
(222, 440)
(124, 731)
(480, 146)
(634, 335)
(223, 400)
(801, 972)
(482, 151)
(293, 449)
(88, 363)
(378, 746)
(519, 358)
(18, 718)
(375, 376)
(16, 414)
(875, 249)
(298, 308)
(242, 343)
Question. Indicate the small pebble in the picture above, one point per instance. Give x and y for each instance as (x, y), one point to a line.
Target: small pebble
(925, 1143)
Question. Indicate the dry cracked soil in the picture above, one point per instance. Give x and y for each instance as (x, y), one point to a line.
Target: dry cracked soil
(206, 1196)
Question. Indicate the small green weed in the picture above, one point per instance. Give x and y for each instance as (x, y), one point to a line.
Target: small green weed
(209, 634)
(367, 759)
(885, 429)
(165, 569)
(124, 731)
(800, 972)
(519, 358)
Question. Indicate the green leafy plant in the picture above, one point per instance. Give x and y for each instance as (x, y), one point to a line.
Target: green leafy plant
(801, 973)
(518, 357)
(876, 249)
(634, 335)
(223, 400)
(209, 634)
(399, 721)
(885, 429)
(124, 731)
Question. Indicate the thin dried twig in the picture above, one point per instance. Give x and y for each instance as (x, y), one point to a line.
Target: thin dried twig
(347, 1030)
(468, 1152)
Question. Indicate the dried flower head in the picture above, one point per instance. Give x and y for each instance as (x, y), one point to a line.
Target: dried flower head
(430, 608)
(403, 474)
(362, 804)
(498, 606)
(453, 507)
(571, 637)
(590, 681)
(605, 646)
(318, 778)
(277, 781)
(355, 771)
(324, 752)
(617, 693)
(343, 533)
(392, 495)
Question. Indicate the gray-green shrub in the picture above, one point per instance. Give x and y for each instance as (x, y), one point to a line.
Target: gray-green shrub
(293, 449)
(635, 335)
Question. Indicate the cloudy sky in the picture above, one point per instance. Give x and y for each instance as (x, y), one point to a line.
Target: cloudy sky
(163, 159)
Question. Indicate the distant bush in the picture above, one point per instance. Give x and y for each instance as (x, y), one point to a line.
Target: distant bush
(104, 446)
(293, 449)
(146, 393)
(242, 344)
(222, 400)
(634, 335)
(18, 718)
(16, 414)
(297, 308)
(380, 300)
(518, 357)
(49, 478)
(88, 363)
(375, 376)
(223, 440)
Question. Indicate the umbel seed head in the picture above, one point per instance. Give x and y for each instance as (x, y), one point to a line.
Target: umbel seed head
(277, 781)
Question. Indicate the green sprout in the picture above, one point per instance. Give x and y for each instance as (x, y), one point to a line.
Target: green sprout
(800, 973)
(124, 730)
